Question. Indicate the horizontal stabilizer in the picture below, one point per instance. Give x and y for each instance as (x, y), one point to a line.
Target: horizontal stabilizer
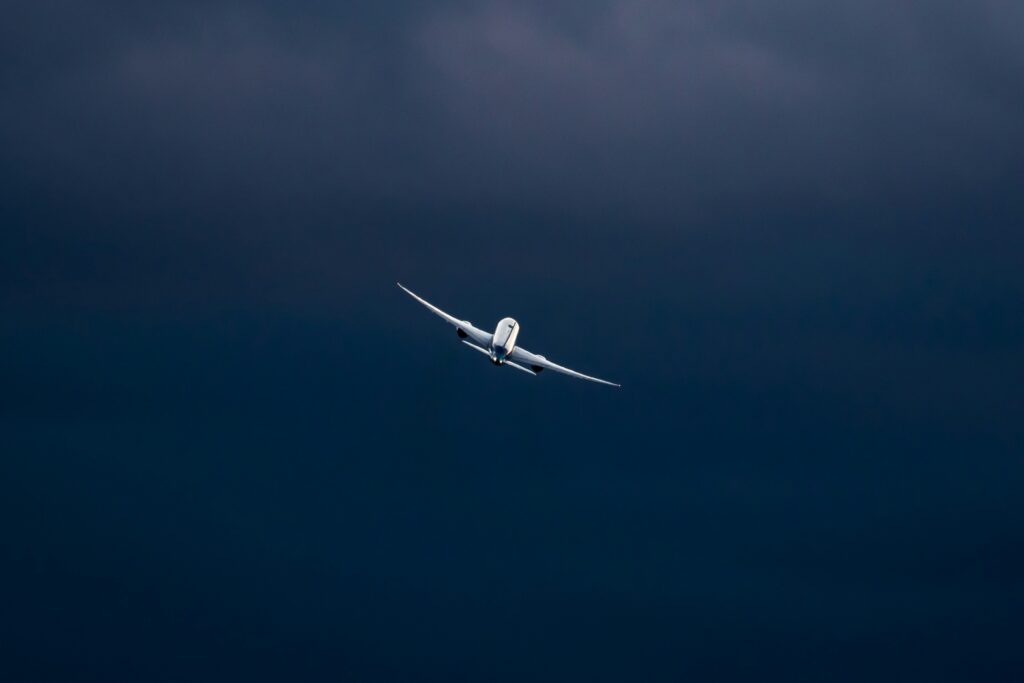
(475, 347)
(517, 366)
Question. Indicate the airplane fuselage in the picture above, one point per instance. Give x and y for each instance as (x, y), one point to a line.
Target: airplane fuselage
(504, 340)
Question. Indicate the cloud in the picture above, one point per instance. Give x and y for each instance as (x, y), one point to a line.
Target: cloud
(346, 136)
(653, 102)
(638, 103)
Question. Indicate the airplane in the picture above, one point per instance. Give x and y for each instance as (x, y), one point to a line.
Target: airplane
(501, 346)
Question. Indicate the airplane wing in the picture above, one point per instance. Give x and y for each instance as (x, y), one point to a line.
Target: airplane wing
(478, 337)
(537, 363)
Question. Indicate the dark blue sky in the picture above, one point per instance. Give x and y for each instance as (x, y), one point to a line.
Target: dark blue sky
(233, 448)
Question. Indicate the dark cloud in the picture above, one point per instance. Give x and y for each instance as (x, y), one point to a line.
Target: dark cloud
(664, 103)
(232, 445)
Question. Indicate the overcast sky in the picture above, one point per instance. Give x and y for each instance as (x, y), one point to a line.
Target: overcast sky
(232, 447)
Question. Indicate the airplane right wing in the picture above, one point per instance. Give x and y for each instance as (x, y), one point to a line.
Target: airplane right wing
(476, 336)
(538, 363)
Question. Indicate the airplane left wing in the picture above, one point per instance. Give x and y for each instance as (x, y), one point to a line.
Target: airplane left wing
(476, 336)
(533, 361)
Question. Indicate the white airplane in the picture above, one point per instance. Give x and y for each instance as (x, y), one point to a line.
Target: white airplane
(501, 346)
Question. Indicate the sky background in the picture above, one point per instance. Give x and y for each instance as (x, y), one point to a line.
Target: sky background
(232, 448)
